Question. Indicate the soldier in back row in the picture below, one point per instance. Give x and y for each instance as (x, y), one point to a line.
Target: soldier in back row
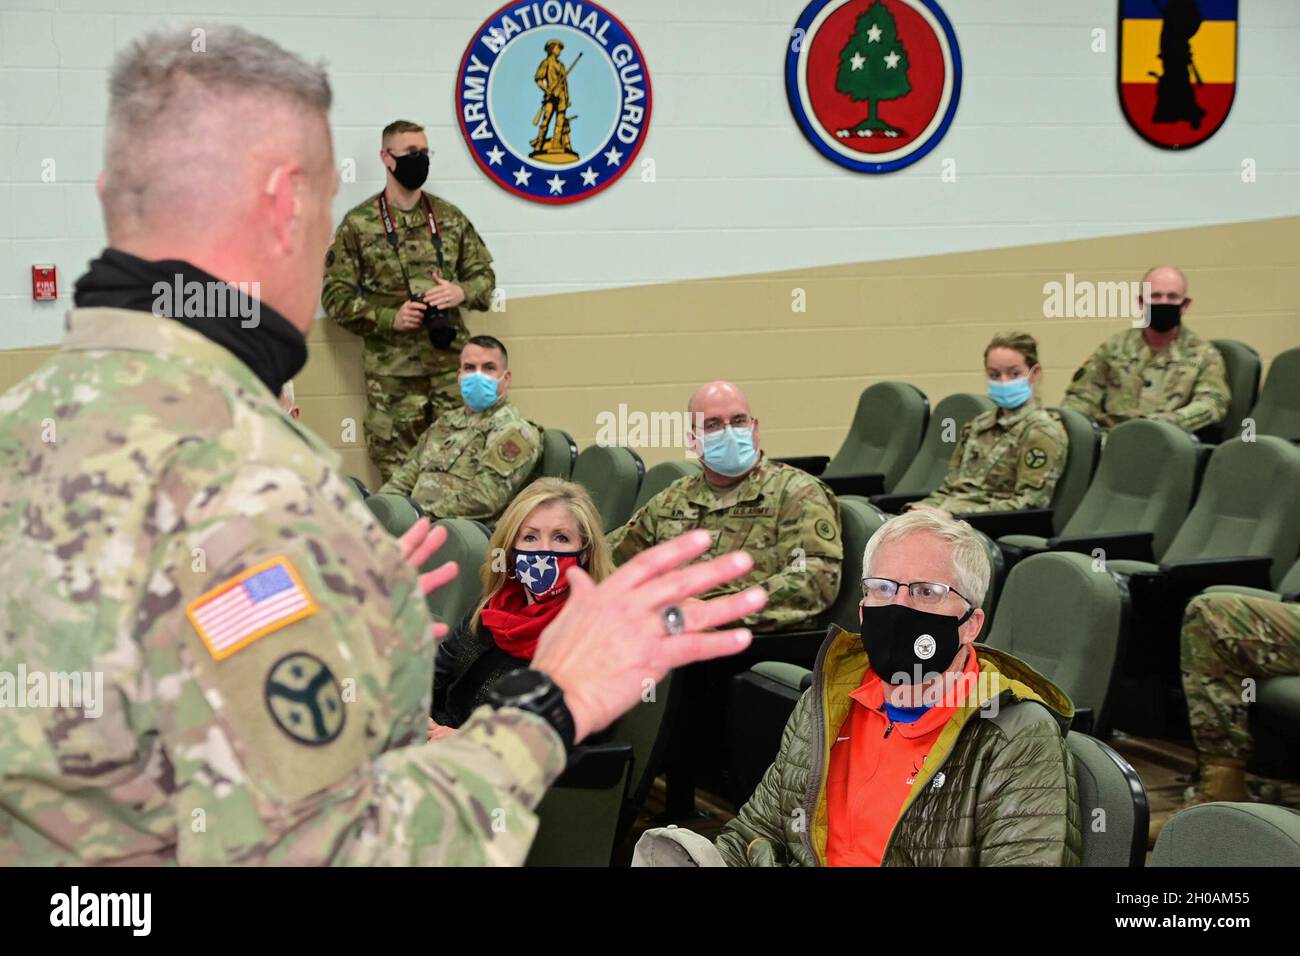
(403, 265)
(1162, 371)
(1010, 457)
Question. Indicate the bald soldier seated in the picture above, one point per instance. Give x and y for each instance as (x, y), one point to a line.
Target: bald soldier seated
(786, 519)
(473, 460)
(1162, 371)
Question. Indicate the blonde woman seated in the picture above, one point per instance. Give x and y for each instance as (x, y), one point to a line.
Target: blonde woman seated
(551, 526)
(1011, 457)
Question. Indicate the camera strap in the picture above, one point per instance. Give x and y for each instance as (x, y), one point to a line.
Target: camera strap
(435, 231)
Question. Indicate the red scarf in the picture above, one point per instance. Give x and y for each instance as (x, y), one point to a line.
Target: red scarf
(515, 624)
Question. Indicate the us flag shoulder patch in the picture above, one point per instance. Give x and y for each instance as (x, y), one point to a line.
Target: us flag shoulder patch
(249, 606)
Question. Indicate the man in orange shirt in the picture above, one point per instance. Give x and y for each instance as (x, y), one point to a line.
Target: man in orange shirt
(911, 748)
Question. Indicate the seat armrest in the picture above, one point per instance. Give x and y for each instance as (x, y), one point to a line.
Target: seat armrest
(1082, 721)
(1251, 571)
(995, 524)
(789, 676)
(595, 766)
(894, 503)
(813, 464)
(1115, 545)
(864, 485)
(1211, 434)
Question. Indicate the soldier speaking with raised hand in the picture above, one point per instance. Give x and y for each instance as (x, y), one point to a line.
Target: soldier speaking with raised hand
(264, 648)
(402, 265)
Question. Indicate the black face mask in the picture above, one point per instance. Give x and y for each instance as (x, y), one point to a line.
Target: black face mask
(1165, 315)
(907, 646)
(412, 169)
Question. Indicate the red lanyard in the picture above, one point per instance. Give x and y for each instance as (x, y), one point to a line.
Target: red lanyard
(435, 230)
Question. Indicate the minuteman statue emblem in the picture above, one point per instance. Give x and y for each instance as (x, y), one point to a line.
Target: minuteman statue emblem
(553, 79)
(529, 69)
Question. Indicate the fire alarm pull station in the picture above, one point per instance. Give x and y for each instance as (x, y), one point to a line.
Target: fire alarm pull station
(45, 283)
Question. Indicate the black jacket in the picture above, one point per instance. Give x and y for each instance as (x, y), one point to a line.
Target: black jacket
(468, 662)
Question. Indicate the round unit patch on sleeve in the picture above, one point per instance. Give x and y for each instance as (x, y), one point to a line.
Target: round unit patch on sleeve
(510, 449)
(825, 530)
(1035, 458)
(305, 699)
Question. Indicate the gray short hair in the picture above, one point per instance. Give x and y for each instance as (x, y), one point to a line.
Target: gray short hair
(163, 86)
(970, 562)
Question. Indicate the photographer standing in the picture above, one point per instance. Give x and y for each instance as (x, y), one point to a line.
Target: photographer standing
(402, 264)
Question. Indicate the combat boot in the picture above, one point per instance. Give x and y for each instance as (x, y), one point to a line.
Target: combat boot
(1223, 780)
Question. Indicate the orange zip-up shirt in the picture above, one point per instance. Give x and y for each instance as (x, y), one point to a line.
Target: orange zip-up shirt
(873, 763)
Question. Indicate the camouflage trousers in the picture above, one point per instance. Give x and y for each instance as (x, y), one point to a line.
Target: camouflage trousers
(1229, 643)
(398, 411)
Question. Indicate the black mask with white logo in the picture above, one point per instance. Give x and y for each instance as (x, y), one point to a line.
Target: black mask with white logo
(1165, 315)
(411, 170)
(907, 646)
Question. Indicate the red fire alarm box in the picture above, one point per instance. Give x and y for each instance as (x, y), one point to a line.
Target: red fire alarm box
(45, 283)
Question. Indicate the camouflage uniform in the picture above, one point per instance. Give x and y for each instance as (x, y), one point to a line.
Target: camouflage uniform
(1004, 462)
(1185, 383)
(170, 471)
(785, 518)
(409, 383)
(470, 464)
(1226, 639)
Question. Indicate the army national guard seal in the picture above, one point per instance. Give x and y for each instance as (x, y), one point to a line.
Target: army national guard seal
(553, 99)
(873, 84)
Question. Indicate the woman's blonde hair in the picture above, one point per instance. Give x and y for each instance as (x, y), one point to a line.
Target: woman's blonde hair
(1021, 342)
(543, 491)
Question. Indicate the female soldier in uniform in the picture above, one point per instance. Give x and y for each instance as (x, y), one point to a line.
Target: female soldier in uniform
(1009, 458)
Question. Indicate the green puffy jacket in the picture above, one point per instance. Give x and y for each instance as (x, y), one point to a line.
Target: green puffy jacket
(1008, 794)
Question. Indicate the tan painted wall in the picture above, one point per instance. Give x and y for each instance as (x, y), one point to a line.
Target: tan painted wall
(923, 320)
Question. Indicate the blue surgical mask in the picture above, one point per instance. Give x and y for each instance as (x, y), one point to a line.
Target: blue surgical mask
(729, 451)
(1011, 394)
(479, 391)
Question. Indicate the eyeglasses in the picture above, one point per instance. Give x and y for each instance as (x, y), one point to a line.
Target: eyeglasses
(925, 594)
(714, 425)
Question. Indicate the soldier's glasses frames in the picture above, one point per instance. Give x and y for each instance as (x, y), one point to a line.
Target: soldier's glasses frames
(716, 424)
(924, 593)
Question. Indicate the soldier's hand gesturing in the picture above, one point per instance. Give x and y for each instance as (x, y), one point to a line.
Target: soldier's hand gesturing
(419, 544)
(611, 637)
(410, 316)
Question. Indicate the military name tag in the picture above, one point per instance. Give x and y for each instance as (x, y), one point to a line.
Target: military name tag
(752, 512)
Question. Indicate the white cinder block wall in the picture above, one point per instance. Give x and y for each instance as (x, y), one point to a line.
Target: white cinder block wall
(1041, 150)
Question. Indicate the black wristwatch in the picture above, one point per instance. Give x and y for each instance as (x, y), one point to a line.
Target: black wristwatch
(536, 693)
